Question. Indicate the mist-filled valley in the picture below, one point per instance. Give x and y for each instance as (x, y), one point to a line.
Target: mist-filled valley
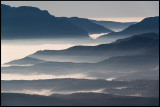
(72, 61)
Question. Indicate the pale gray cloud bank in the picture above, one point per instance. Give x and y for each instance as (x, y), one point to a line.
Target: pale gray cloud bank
(95, 9)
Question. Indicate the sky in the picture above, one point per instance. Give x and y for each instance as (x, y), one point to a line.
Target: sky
(123, 11)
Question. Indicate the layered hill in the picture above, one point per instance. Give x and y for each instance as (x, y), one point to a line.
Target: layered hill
(66, 85)
(30, 22)
(147, 25)
(127, 58)
(115, 26)
(87, 25)
(131, 45)
(25, 60)
(76, 99)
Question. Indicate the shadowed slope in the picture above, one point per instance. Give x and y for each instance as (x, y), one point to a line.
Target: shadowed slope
(77, 99)
(30, 22)
(147, 25)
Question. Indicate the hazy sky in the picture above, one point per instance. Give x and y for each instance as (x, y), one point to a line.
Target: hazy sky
(106, 10)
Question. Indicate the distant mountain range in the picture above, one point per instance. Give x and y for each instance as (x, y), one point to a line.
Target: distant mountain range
(26, 60)
(122, 73)
(115, 26)
(87, 25)
(120, 67)
(30, 22)
(76, 99)
(74, 85)
(127, 58)
(131, 45)
(147, 25)
(137, 44)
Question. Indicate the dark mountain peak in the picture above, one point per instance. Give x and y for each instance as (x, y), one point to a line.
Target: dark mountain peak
(27, 11)
(34, 11)
(75, 17)
(26, 8)
(22, 8)
(147, 25)
(31, 22)
(150, 19)
(5, 6)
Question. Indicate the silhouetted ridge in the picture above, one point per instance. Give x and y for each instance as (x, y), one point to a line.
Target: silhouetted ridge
(25, 60)
(85, 99)
(30, 22)
(115, 26)
(147, 25)
(146, 35)
(88, 25)
(137, 42)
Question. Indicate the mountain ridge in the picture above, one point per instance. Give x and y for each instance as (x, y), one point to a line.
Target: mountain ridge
(147, 25)
(36, 23)
(74, 99)
(104, 47)
(113, 25)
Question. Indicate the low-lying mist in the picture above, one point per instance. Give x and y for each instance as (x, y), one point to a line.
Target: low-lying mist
(16, 49)
(34, 76)
(70, 85)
